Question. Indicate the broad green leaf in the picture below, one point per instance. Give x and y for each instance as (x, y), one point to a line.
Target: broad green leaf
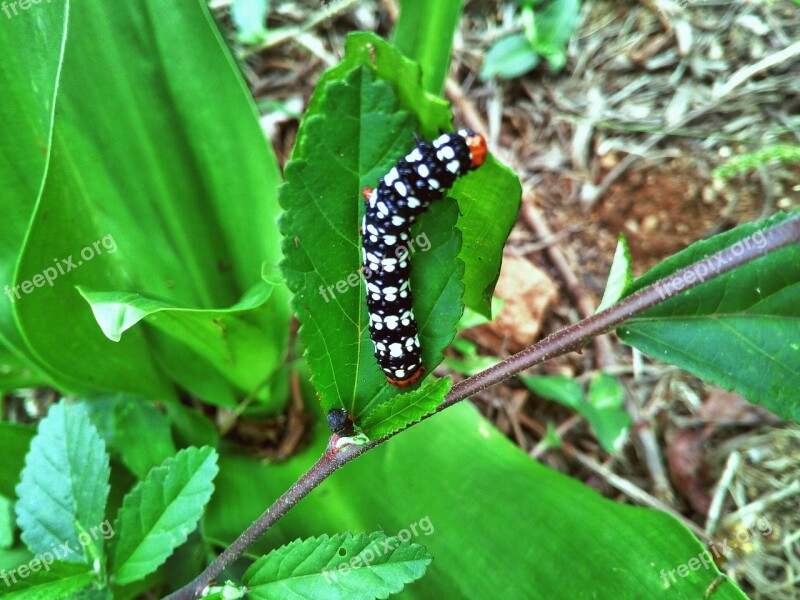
(55, 581)
(343, 566)
(739, 330)
(432, 484)
(28, 80)
(621, 275)
(191, 427)
(470, 363)
(424, 33)
(405, 408)
(472, 318)
(509, 57)
(564, 390)
(160, 181)
(143, 439)
(158, 514)
(15, 439)
(250, 16)
(230, 341)
(6, 522)
(359, 123)
(64, 484)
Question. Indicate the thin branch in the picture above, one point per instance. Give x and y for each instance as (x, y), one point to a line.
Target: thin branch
(568, 339)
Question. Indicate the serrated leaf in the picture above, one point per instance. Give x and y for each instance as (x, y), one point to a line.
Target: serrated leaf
(158, 514)
(405, 409)
(65, 480)
(340, 567)
(739, 330)
(58, 580)
(620, 275)
(509, 57)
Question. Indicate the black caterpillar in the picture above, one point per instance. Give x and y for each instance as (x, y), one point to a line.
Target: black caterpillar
(403, 194)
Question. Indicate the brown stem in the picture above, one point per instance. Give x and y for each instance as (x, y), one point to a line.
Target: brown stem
(566, 340)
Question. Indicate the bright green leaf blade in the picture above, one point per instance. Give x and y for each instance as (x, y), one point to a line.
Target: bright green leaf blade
(65, 480)
(564, 390)
(471, 363)
(15, 439)
(509, 57)
(144, 438)
(424, 33)
(59, 580)
(28, 80)
(249, 16)
(405, 408)
(740, 330)
(7, 525)
(488, 201)
(442, 502)
(340, 567)
(606, 415)
(156, 143)
(158, 514)
(620, 276)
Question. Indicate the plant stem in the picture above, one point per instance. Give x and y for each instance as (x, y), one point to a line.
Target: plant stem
(566, 340)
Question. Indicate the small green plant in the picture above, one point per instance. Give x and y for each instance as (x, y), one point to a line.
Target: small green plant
(547, 27)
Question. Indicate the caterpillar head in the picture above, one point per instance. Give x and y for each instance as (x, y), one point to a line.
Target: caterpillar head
(477, 147)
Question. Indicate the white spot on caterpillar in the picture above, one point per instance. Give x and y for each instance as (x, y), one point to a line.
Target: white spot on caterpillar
(382, 210)
(373, 238)
(399, 374)
(373, 198)
(375, 318)
(441, 140)
(446, 153)
(433, 184)
(414, 156)
(413, 202)
(405, 322)
(391, 176)
(391, 240)
(371, 228)
(397, 220)
(403, 236)
(395, 350)
(373, 288)
(453, 166)
(376, 296)
(423, 170)
(401, 188)
(391, 322)
(371, 258)
(381, 346)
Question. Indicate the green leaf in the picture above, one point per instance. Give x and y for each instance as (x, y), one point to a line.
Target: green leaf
(15, 439)
(424, 33)
(143, 439)
(359, 123)
(472, 318)
(739, 330)
(158, 514)
(554, 27)
(64, 484)
(6, 522)
(230, 341)
(621, 274)
(488, 203)
(160, 172)
(55, 581)
(564, 390)
(471, 362)
(405, 408)
(509, 57)
(432, 484)
(29, 81)
(606, 415)
(249, 16)
(343, 566)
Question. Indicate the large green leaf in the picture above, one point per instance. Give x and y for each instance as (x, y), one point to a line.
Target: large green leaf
(156, 148)
(159, 513)
(28, 80)
(15, 439)
(739, 330)
(58, 580)
(457, 486)
(340, 567)
(64, 484)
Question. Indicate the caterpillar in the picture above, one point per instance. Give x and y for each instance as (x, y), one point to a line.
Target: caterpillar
(402, 195)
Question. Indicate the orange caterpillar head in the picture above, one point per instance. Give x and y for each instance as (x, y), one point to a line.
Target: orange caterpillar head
(406, 382)
(477, 147)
